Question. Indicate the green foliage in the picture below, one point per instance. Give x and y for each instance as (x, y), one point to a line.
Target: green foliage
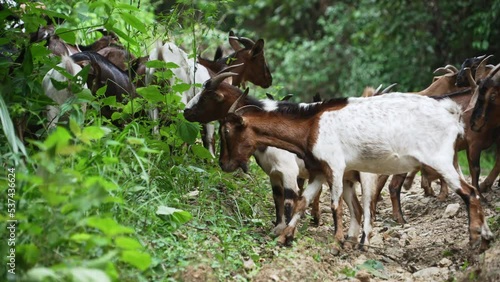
(100, 202)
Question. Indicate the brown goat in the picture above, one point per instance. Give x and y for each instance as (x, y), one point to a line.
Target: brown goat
(250, 58)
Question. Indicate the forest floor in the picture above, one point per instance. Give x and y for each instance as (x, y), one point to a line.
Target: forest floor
(429, 247)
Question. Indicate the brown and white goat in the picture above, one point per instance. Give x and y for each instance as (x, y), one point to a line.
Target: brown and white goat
(486, 116)
(373, 134)
(250, 58)
(283, 167)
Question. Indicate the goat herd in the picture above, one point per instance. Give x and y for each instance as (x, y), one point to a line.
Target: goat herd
(338, 142)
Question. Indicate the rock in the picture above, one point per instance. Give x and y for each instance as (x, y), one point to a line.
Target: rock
(431, 274)
(274, 277)
(377, 240)
(451, 210)
(249, 264)
(445, 262)
(363, 276)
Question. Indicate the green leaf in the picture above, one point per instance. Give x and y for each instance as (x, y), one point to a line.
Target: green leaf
(127, 243)
(151, 94)
(42, 274)
(74, 127)
(176, 215)
(134, 22)
(101, 91)
(140, 260)
(58, 140)
(93, 133)
(188, 131)
(80, 237)
(82, 274)
(108, 226)
(201, 152)
(30, 253)
(66, 34)
(158, 64)
(374, 267)
(181, 87)
(109, 101)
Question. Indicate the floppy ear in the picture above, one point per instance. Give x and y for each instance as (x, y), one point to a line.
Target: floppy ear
(218, 54)
(258, 47)
(218, 96)
(235, 119)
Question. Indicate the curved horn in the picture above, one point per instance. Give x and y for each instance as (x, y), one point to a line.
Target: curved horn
(451, 67)
(231, 67)
(388, 88)
(216, 80)
(494, 71)
(377, 90)
(247, 108)
(247, 42)
(446, 71)
(481, 68)
(233, 107)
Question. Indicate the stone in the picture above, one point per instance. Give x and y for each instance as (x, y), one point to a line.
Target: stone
(451, 210)
(431, 274)
(249, 264)
(445, 262)
(363, 276)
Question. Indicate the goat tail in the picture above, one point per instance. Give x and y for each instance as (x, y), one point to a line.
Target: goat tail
(454, 109)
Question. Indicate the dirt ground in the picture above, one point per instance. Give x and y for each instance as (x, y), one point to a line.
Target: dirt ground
(429, 247)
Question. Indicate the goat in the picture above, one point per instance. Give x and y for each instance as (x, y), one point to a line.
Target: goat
(283, 168)
(445, 85)
(250, 58)
(372, 134)
(471, 63)
(104, 73)
(188, 72)
(485, 116)
(62, 95)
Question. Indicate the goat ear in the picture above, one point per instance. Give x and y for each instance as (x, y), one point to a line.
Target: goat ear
(269, 96)
(258, 47)
(218, 96)
(287, 97)
(218, 54)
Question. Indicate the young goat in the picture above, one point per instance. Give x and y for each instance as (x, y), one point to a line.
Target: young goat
(188, 72)
(485, 116)
(283, 167)
(252, 65)
(373, 134)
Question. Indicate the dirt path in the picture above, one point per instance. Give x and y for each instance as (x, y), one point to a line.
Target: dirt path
(427, 248)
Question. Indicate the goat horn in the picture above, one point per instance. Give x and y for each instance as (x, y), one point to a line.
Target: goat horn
(231, 67)
(494, 71)
(216, 80)
(233, 107)
(451, 67)
(388, 88)
(481, 68)
(287, 97)
(246, 108)
(443, 69)
(377, 90)
(247, 42)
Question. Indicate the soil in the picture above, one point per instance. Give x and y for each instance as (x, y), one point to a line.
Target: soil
(429, 247)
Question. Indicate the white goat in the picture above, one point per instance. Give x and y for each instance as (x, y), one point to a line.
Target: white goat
(188, 72)
(60, 96)
(373, 134)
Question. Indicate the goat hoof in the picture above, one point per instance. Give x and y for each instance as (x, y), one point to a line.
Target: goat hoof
(350, 243)
(442, 197)
(281, 240)
(484, 187)
(315, 221)
(278, 229)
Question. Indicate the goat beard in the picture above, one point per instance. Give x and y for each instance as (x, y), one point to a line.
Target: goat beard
(244, 167)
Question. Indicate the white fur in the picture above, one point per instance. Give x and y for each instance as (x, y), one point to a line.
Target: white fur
(59, 96)
(188, 72)
(379, 135)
